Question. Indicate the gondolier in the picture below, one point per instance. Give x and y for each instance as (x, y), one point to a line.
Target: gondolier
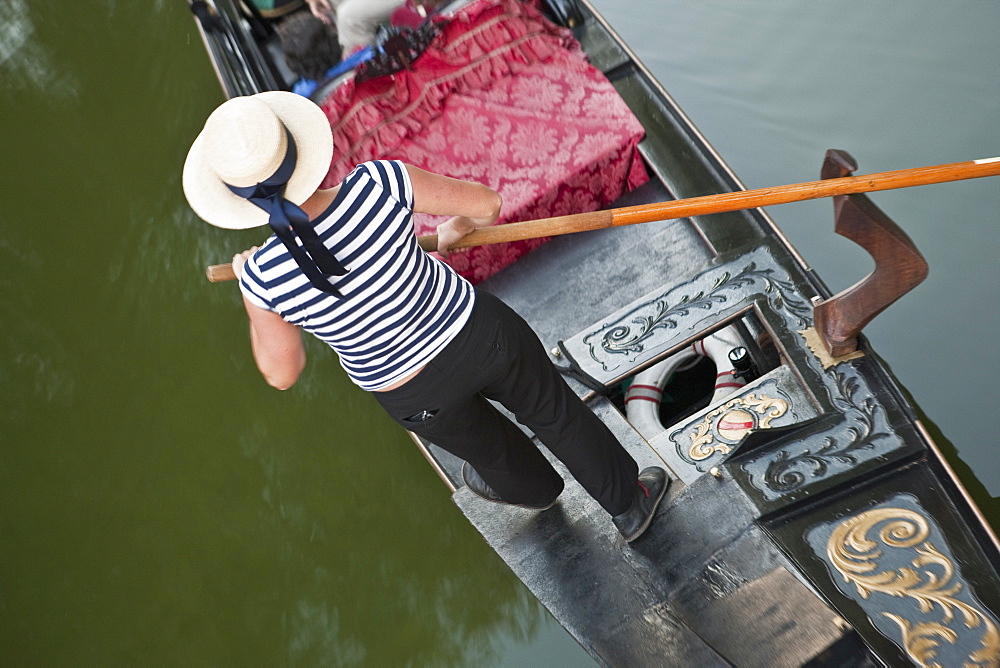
(344, 265)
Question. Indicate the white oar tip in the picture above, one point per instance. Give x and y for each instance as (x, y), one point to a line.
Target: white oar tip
(986, 160)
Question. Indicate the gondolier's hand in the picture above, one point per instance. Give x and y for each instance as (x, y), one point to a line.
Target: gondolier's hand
(454, 230)
(322, 9)
(240, 259)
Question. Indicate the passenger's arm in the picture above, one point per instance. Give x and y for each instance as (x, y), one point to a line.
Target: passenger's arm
(276, 344)
(471, 205)
(323, 10)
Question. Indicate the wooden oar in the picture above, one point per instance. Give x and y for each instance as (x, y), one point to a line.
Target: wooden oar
(700, 206)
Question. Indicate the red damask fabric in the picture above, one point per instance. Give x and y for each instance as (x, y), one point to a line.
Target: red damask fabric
(506, 98)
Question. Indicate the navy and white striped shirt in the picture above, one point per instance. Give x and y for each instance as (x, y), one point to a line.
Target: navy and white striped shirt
(400, 306)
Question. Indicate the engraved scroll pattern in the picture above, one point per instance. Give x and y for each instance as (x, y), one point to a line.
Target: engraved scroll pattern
(635, 330)
(787, 472)
(855, 548)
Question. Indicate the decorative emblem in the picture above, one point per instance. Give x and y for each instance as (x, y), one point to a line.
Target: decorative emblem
(734, 425)
(723, 427)
(870, 550)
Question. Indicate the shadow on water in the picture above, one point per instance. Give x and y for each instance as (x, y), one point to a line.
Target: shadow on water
(988, 504)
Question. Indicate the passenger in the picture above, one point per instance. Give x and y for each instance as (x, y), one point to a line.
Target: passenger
(356, 20)
(311, 50)
(343, 264)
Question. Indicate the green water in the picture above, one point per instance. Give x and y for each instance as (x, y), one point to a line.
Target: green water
(160, 505)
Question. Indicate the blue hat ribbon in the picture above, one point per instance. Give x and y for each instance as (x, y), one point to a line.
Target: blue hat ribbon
(288, 220)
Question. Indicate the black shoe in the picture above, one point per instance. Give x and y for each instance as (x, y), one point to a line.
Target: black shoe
(653, 483)
(478, 486)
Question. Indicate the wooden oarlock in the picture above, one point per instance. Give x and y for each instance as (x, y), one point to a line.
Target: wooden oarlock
(899, 266)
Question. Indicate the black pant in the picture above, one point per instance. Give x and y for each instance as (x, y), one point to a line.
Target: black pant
(497, 356)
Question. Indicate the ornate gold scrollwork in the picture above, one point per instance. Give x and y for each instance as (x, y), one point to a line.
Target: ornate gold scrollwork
(929, 582)
(736, 418)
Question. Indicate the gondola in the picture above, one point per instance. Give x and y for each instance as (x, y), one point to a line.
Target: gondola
(812, 520)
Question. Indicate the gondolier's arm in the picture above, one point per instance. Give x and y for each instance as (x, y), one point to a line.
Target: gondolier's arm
(276, 344)
(475, 204)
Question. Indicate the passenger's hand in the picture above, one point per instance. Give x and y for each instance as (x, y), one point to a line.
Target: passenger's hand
(322, 9)
(240, 259)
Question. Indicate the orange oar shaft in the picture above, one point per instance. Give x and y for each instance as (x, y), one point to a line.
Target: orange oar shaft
(700, 206)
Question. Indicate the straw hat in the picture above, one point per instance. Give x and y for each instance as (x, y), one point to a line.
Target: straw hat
(243, 143)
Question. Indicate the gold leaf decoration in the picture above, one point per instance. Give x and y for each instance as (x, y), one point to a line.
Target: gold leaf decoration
(855, 548)
(707, 437)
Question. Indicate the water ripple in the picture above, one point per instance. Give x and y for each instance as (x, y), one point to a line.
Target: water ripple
(24, 63)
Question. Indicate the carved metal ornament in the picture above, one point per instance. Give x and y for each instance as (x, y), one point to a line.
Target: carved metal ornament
(642, 328)
(866, 435)
(886, 554)
(723, 427)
